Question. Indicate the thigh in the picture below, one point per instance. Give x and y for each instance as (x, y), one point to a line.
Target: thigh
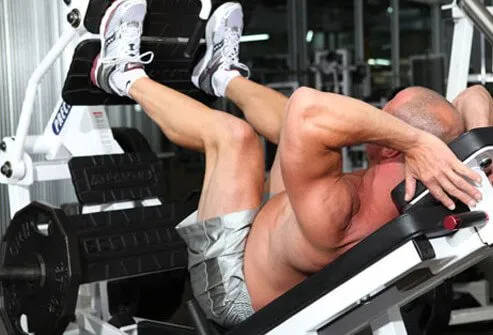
(234, 173)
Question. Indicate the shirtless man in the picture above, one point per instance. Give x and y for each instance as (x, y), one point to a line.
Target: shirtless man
(245, 250)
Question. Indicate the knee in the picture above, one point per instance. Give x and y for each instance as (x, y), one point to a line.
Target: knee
(232, 133)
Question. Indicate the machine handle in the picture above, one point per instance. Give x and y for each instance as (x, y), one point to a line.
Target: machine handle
(194, 41)
(465, 220)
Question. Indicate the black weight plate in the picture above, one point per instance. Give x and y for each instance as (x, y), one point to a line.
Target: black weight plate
(49, 304)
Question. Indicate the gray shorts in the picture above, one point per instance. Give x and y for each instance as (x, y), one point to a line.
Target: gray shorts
(216, 248)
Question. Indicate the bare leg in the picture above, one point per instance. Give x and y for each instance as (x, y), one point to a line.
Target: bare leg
(234, 159)
(263, 107)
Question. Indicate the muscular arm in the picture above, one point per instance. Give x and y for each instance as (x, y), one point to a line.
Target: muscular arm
(318, 125)
(475, 105)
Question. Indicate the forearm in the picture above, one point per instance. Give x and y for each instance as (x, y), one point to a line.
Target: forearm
(340, 121)
(475, 106)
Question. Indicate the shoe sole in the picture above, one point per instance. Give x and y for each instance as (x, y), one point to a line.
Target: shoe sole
(209, 30)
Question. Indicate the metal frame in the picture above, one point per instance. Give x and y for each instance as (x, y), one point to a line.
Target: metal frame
(71, 131)
(460, 58)
(395, 43)
(336, 69)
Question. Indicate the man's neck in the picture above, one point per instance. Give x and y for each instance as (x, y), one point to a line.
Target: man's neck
(390, 171)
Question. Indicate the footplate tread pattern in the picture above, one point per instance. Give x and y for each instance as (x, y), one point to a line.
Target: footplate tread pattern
(112, 178)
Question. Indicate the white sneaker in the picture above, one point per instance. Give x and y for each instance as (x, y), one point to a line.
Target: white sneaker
(221, 62)
(120, 63)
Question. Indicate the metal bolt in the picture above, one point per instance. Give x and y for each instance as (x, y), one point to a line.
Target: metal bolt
(74, 18)
(6, 169)
(485, 163)
(365, 299)
(3, 146)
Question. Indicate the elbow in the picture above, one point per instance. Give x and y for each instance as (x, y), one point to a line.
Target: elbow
(304, 108)
(302, 101)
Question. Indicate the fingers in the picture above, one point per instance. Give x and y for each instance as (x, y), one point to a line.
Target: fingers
(460, 193)
(466, 188)
(410, 186)
(438, 193)
(463, 170)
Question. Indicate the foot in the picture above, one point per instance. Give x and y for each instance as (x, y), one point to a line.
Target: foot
(221, 63)
(120, 63)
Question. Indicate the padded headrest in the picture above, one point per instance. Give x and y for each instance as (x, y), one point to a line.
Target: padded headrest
(464, 146)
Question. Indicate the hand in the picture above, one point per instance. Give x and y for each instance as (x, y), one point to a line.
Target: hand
(434, 164)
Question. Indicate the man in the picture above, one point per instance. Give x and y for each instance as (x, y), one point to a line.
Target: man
(244, 251)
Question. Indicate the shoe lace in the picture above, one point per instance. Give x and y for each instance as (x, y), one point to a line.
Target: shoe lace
(130, 34)
(231, 48)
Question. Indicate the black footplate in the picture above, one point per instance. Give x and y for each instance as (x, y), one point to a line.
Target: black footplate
(46, 255)
(112, 178)
(165, 18)
(169, 68)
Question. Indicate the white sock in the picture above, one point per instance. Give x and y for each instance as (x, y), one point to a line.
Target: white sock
(221, 80)
(122, 81)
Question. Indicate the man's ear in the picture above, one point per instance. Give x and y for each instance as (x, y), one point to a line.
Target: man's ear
(388, 153)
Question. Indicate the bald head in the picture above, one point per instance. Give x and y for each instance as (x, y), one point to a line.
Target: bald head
(427, 110)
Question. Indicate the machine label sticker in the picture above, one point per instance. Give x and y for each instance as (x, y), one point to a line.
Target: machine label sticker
(101, 123)
(61, 117)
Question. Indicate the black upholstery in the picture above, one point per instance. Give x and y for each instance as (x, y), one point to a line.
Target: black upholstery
(463, 147)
